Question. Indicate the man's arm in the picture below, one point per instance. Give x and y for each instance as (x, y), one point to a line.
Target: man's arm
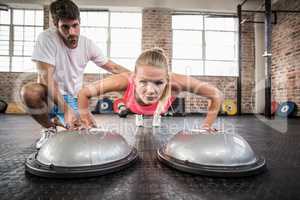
(45, 76)
(114, 68)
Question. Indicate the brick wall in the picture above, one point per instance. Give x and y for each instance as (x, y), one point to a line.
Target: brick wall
(248, 66)
(157, 32)
(286, 54)
(197, 104)
(12, 82)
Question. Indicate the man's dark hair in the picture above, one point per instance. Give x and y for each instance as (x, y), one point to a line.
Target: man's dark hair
(64, 9)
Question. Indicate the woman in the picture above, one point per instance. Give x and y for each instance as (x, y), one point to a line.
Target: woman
(150, 90)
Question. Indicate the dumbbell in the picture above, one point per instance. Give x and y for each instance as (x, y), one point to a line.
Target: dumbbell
(120, 108)
(123, 111)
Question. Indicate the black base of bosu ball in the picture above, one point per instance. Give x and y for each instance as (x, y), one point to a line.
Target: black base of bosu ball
(33, 166)
(211, 154)
(73, 154)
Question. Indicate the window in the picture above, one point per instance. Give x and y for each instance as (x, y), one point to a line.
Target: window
(4, 40)
(118, 35)
(94, 25)
(126, 38)
(19, 29)
(204, 45)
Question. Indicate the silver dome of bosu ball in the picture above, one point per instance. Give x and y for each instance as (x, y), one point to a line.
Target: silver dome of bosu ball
(216, 154)
(85, 153)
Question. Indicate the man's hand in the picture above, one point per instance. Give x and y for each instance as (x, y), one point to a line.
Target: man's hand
(71, 121)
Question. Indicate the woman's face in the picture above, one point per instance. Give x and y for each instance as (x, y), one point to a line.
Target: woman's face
(150, 83)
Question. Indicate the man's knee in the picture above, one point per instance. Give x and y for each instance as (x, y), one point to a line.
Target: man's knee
(33, 94)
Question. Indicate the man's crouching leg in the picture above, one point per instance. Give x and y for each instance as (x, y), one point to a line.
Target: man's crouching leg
(34, 96)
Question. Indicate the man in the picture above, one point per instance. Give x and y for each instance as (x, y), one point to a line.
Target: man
(61, 54)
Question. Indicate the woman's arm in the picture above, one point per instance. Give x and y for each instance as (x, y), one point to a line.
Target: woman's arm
(190, 84)
(112, 83)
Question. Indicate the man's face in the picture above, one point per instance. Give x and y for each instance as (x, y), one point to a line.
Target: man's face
(69, 30)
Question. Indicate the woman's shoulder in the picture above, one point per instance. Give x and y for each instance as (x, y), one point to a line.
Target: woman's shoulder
(120, 80)
(178, 79)
(183, 82)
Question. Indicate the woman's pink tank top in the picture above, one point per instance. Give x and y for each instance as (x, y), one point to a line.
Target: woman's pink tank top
(135, 107)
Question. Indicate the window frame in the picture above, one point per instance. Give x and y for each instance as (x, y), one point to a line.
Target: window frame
(11, 40)
(204, 32)
(108, 49)
(109, 29)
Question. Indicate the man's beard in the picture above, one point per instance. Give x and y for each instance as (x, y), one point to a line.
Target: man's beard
(72, 41)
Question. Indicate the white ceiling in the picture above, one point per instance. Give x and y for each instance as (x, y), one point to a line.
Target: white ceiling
(227, 6)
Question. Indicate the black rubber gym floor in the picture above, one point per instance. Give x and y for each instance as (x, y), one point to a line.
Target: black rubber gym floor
(278, 140)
